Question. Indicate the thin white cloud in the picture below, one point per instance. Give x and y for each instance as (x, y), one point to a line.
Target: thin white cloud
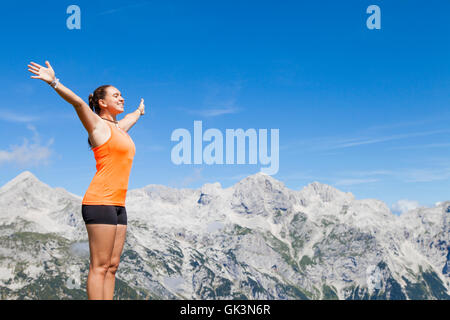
(412, 123)
(114, 10)
(214, 112)
(404, 205)
(368, 173)
(410, 175)
(426, 174)
(351, 182)
(219, 99)
(28, 154)
(9, 116)
(332, 143)
(422, 146)
(386, 138)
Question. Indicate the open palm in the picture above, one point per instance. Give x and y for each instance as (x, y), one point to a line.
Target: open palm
(43, 73)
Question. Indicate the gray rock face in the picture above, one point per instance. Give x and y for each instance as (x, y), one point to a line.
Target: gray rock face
(254, 240)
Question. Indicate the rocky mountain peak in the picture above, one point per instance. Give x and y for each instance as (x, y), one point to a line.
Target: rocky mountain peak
(325, 193)
(259, 182)
(24, 180)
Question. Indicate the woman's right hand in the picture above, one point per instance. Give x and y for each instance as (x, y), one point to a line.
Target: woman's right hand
(45, 74)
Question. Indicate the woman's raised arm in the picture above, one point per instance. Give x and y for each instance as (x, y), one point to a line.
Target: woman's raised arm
(88, 117)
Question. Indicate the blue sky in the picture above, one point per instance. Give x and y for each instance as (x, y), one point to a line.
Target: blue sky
(363, 110)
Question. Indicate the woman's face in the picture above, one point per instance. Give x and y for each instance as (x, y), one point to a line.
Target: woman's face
(113, 100)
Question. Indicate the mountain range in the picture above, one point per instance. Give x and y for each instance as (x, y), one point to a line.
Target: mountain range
(257, 239)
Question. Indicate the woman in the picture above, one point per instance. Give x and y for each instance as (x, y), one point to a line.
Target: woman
(103, 205)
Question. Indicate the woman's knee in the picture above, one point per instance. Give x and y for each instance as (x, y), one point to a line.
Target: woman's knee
(114, 265)
(100, 268)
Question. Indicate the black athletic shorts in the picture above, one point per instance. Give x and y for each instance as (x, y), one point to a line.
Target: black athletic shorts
(102, 214)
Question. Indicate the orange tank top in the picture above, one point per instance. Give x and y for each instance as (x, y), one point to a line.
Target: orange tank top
(114, 160)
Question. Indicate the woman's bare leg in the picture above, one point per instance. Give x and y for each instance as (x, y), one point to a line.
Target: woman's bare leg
(110, 278)
(101, 243)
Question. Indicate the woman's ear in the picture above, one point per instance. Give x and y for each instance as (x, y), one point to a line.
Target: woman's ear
(101, 103)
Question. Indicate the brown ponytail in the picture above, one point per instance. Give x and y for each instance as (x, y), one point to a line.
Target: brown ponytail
(98, 94)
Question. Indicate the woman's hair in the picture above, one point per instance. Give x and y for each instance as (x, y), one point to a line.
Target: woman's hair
(98, 94)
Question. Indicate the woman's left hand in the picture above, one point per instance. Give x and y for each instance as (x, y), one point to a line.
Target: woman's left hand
(43, 73)
(141, 107)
